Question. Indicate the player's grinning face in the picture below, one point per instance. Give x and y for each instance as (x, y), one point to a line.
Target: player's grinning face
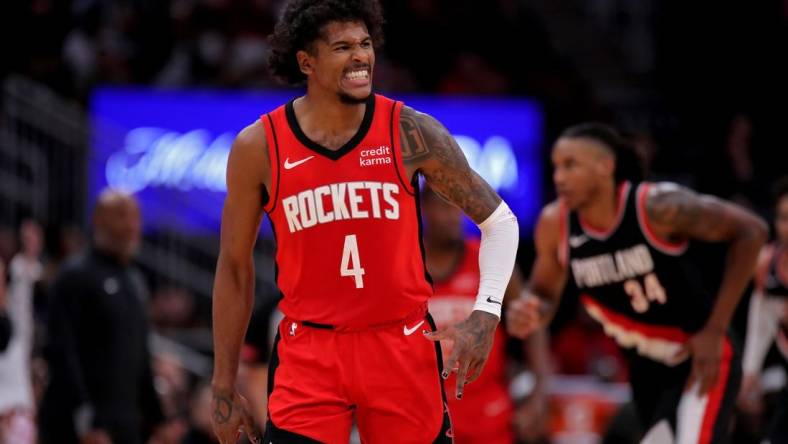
(342, 61)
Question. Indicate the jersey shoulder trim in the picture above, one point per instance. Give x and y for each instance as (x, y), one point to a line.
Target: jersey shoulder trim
(621, 209)
(563, 234)
(396, 150)
(273, 158)
(664, 246)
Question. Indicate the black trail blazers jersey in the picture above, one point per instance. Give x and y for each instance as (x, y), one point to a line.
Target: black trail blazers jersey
(645, 291)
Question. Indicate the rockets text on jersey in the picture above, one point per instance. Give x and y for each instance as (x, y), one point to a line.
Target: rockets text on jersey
(307, 208)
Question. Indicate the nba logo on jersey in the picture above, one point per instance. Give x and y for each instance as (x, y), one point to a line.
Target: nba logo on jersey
(293, 327)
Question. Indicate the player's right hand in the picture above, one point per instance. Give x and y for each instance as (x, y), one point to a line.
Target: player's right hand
(524, 316)
(231, 417)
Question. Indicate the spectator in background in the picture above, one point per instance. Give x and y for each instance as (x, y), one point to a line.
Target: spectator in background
(101, 388)
(5, 323)
(5, 332)
(17, 407)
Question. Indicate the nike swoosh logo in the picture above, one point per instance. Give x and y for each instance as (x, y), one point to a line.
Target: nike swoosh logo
(409, 331)
(289, 165)
(577, 241)
(492, 301)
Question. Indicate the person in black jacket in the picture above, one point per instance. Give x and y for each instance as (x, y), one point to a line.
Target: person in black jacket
(101, 388)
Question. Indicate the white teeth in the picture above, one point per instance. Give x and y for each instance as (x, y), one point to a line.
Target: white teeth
(355, 75)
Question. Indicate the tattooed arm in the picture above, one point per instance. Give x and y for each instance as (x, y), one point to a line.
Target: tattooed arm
(677, 213)
(233, 291)
(428, 149)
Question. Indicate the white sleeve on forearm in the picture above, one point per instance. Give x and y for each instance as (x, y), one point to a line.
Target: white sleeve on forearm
(762, 323)
(497, 252)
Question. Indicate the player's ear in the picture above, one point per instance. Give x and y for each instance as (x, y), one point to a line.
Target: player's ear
(607, 165)
(304, 62)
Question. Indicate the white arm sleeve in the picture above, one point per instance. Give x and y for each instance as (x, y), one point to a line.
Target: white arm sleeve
(497, 252)
(762, 323)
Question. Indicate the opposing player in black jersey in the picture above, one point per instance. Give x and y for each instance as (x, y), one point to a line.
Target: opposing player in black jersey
(768, 317)
(624, 244)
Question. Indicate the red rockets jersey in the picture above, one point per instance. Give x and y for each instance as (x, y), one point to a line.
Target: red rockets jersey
(346, 222)
(485, 412)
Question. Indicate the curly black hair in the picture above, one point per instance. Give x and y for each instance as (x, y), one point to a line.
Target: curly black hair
(629, 165)
(301, 23)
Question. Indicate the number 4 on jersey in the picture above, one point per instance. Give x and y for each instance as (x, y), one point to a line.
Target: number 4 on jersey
(351, 264)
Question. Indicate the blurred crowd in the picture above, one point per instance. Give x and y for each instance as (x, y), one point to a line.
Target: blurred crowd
(33, 340)
(430, 45)
(700, 102)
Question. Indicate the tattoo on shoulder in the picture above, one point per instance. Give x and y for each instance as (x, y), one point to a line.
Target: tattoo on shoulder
(429, 147)
(223, 409)
(674, 206)
(414, 144)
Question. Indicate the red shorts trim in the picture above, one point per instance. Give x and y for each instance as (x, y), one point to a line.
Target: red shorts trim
(716, 396)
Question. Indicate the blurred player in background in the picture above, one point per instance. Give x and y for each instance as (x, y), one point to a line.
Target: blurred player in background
(486, 413)
(624, 244)
(336, 171)
(768, 318)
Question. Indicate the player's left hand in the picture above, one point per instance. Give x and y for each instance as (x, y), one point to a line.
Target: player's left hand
(472, 340)
(705, 350)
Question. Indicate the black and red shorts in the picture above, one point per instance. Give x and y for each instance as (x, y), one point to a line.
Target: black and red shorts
(386, 379)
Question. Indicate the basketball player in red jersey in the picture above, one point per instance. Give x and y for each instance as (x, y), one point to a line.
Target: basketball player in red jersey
(336, 171)
(625, 246)
(486, 414)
